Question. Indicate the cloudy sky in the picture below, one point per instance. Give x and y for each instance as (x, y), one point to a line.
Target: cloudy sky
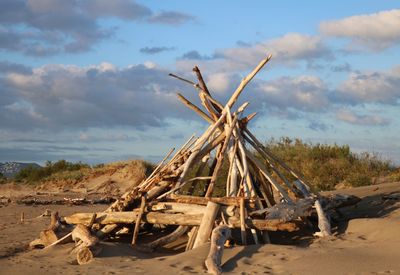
(88, 79)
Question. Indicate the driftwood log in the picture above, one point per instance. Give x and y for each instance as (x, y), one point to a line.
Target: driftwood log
(86, 246)
(218, 238)
(207, 224)
(105, 218)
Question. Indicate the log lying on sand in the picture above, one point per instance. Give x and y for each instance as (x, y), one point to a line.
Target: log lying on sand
(323, 222)
(213, 262)
(287, 211)
(86, 247)
(175, 219)
(49, 235)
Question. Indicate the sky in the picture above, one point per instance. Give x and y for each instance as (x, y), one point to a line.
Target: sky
(87, 80)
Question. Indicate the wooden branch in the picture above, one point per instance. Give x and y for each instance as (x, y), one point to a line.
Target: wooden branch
(242, 222)
(204, 88)
(207, 224)
(220, 157)
(198, 145)
(264, 171)
(178, 232)
(245, 81)
(192, 237)
(218, 237)
(138, 219)
(275, 158)
(195, 108)
(279, 174)
(244, 121)
(323, 223)
(207, 104)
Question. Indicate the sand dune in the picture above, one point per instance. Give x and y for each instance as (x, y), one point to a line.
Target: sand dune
(366, 241)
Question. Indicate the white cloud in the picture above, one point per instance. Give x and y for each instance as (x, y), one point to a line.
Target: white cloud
(366, 120)
(303, 93)
(218, 83)
(287, 50)
(59, 96)
(376, 31)
(371, 87)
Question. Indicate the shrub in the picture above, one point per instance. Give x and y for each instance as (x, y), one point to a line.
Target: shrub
(32, 174)
(324, 166)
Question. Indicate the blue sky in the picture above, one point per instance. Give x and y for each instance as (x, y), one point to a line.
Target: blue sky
(88, 80)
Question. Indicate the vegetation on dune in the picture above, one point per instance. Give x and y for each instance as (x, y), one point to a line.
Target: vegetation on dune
(324, 166)
(32, 174)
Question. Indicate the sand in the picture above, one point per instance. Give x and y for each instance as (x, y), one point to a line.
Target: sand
(366, 241)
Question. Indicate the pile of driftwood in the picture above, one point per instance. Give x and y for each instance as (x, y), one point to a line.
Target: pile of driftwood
(261, 192)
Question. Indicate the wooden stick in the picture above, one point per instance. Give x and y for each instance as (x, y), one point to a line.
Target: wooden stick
(245, 81)
(244, 121)
(275, 158)
(198, 145)
(242, 222)
(218, 237)
(138, 219)
(220, 157)
(197, 86)
(192, 238)
(204, 88)
(279, 174)
(264, 171)
(207, 223)
(323, 223)
(195, 108)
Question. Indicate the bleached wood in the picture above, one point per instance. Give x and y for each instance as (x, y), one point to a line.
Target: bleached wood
(323, 223)
(195, 108)
(220, 157)
(264, 171)
(198, 145)
(138, 219)
(242, 222)
(129, 217)
(245, 81)
(263, 154)
(192, 237)
(275, 158)
(207, 223)
(218, 237)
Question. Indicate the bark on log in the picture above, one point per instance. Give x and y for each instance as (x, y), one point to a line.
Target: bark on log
(213, 262)
(207, 223)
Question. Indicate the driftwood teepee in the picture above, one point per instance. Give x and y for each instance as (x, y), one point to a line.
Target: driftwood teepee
(258, 196)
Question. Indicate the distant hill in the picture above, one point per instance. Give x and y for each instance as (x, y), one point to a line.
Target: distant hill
(9, 169)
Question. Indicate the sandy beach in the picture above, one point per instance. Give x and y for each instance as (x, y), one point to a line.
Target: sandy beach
(365, 241)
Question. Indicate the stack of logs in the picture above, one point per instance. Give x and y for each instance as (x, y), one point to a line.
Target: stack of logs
(262, 193)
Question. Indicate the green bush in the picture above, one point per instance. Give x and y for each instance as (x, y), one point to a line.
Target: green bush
(32, 174)
(324, 166)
